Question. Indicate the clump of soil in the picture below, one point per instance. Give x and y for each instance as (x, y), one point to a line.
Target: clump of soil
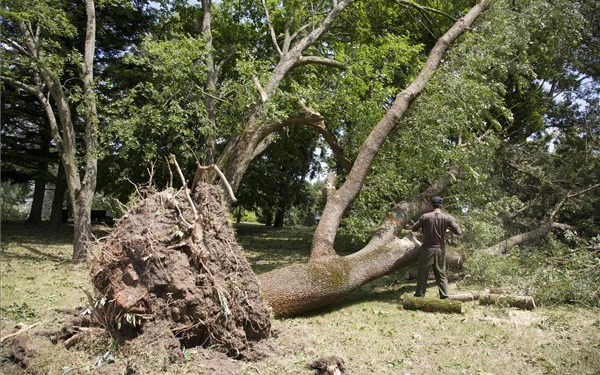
(173, 265)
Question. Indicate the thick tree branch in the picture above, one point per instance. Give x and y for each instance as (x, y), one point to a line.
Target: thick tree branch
(542, 230)
(330, 219)
(305, 60)
(264, 97)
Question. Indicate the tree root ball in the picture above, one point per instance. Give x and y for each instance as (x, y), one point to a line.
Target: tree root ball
(169, 264)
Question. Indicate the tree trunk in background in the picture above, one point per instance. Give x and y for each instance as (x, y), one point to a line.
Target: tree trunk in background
(81, 179)
(39, 191)
(268, 217)
(60, 186)
(37, 204)
(279, 218)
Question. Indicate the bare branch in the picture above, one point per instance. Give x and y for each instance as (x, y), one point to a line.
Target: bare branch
(300, 29)
(271, 29)
(30, 89)
(583, 191)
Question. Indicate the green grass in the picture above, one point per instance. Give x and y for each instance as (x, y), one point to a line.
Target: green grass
(369, 330)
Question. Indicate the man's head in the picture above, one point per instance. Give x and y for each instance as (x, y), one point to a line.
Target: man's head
(437, 202)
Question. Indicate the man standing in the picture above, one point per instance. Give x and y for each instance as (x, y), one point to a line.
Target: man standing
(432, 252)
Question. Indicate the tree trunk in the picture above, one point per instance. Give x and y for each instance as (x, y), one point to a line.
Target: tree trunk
(37, 204)
(81, 186)
(327, 277)
(58, 200)
(268, 217)
(39, 191)
(521, 302)
(279, 218)
(241, 149)
(321, 282)
(82, 227)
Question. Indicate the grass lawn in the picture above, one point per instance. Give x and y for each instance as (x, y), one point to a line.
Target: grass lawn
(369, 330)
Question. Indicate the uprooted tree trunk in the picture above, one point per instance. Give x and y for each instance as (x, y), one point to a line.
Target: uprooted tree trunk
(327, 277)
(172, 262)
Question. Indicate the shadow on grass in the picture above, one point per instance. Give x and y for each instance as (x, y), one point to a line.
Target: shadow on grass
(31, 242)
(33, 254)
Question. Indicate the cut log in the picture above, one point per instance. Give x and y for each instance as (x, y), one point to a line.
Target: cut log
(467, 297)
(431, 304)
(521, 302)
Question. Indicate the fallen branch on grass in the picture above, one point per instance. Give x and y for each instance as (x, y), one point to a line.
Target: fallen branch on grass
(22, 328)
(521, 302)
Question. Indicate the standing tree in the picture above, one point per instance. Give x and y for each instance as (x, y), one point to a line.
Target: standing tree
(40, 60)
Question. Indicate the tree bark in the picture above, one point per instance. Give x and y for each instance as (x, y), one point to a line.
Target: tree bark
(431, 304)
(322, 282)
(211, 84)
(279, 218)
(327, 277)
(81, 186)
(521, 302)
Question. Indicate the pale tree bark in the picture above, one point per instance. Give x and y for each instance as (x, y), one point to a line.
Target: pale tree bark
(81, 186)
(327, 277)
(537, 233)
(211, 83)
(242, 148)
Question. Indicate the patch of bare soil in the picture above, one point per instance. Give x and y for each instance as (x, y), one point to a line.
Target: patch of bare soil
(172, 276)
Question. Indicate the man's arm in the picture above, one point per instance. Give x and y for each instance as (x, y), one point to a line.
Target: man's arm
(417, 225)
(454, 228)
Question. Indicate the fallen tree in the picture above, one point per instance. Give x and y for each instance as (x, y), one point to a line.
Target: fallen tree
(327, 277)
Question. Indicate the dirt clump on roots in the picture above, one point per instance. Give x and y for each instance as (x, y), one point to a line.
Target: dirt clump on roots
(171, 275)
